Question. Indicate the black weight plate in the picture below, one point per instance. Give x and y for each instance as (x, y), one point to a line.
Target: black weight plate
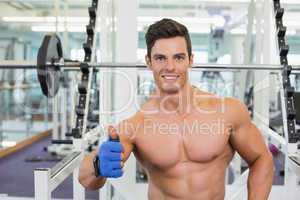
(49, 75)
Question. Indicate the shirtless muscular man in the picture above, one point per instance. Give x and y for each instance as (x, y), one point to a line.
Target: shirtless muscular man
(182, 136)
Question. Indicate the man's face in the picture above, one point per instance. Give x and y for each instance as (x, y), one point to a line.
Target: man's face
(169, 63)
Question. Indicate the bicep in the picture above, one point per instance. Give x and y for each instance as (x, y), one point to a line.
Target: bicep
(248, 142)
(246, 138)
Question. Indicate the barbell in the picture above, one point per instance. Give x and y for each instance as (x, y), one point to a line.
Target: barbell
(50, 62)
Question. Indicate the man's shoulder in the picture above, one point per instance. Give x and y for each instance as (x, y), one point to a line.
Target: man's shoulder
(236, 111)
(227, 104)
(234, 105)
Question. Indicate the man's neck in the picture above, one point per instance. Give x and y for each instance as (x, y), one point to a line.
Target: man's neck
(180, 103)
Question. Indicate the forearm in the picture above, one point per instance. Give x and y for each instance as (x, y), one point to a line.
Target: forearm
(87, 174)
(260, 178)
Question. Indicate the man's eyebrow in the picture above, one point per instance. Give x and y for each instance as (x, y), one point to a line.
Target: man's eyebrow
(159, 55)
(177, 54)
(180, 54)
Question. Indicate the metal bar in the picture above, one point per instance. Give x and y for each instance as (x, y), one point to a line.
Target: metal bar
(294, 163)
(22, 86)
(55, 118)
(13, 64)
(42, 184)
(60, 166)
(196, 66)
(94, 134)
(64, 111)
(76, 65)
(273, 137)
(78, 189)
(90, 76)
(64, 171)
(62, 141)
(240, 186)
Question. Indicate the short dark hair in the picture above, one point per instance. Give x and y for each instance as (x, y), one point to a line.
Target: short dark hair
(166, 28)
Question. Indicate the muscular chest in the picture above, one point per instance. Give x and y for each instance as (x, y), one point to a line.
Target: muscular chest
(164, 142)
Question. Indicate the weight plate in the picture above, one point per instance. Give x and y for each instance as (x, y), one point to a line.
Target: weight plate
(48, 74)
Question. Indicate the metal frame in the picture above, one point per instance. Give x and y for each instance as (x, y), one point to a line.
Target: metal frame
(46, 179)
(89, 57)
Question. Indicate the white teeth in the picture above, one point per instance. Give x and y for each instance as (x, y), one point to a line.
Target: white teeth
(170, 77)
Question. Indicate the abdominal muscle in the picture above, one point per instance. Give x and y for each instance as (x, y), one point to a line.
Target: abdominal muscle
(189, 181)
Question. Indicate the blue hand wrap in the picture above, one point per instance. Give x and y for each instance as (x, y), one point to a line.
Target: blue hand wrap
(110, 159)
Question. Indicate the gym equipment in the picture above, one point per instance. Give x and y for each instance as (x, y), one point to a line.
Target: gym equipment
(289, 112)
(50, 50)
(54, 68)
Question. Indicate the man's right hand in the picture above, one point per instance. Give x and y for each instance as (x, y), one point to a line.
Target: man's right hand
(110, 156)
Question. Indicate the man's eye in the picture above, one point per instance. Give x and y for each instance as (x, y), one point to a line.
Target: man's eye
(179, 58)
(160, 58)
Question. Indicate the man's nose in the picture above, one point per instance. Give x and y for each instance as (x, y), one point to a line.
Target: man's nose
(170, 65)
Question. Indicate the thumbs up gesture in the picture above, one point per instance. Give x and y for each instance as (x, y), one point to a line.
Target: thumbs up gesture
(111, 156)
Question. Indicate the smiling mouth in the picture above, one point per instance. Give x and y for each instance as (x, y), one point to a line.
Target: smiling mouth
(170, 77)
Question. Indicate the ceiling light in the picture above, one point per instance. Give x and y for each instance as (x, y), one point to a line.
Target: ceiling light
(78, 29)
(46, 19)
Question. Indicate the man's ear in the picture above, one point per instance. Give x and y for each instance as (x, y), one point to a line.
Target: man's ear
(191, 60)
(148, 61)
